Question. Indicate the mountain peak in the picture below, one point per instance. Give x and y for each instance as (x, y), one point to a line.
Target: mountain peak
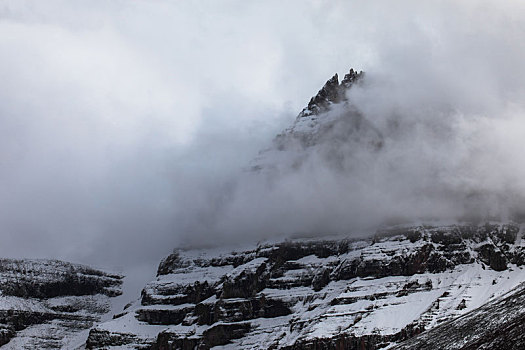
(332, 92)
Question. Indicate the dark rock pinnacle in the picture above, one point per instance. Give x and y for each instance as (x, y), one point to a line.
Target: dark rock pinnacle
(332, 92)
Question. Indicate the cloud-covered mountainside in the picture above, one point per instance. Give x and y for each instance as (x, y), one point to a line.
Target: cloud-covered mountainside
(127, 121)
(124, 125)
(361, 154)
(397, 287)
(392, 288)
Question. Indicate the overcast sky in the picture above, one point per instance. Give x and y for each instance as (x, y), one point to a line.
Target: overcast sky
(118, 120)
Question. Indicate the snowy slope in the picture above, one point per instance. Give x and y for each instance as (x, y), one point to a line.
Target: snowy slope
(319, 294)
(499, 324)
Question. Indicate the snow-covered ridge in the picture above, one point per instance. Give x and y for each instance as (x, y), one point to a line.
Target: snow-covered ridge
(313, 294)
(50, 278)
(51, 303)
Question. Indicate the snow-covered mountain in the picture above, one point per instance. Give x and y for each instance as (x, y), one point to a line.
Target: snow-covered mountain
(324, 294)
(458, 285)
(389, 290)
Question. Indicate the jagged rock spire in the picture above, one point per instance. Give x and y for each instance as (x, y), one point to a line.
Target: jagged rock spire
(350, 78)
(332, 92)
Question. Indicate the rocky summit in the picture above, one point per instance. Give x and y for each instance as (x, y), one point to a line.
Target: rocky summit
(331, 93)
(51, 304)
(391, 289)
(330, 128)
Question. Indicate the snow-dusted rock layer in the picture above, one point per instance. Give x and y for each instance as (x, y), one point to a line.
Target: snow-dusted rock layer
(320, 294)
(50, 303)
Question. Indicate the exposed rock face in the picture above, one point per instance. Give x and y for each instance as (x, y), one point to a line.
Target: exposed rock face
(320, 294)
(46, 303)
(331, 93)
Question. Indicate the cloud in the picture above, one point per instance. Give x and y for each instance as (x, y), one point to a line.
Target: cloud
(125, 126)
(117, 118)
(444, 90)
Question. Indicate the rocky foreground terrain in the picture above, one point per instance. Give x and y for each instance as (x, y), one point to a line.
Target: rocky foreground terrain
(50, 304)
(463, 281)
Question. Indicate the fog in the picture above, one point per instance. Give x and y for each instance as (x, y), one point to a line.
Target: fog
(127, 128)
